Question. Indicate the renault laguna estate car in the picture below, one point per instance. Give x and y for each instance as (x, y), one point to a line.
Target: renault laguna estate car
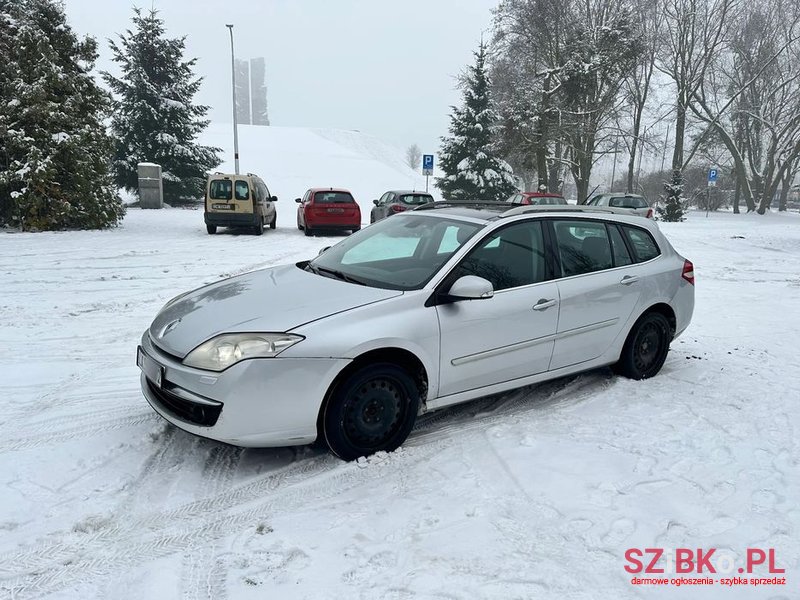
(433, 307)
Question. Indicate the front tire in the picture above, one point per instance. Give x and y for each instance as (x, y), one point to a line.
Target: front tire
(372, 410)
(211, 229)
(274, 222)
(646, 347)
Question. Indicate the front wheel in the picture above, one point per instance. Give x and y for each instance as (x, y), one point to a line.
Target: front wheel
(273, 223)
(373, 410)
(646, 347)
(211, 229)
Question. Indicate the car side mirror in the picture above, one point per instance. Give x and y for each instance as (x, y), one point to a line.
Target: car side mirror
(471, 287)
(273, 199)
(298, 200)
(323, 250)
(375, 202)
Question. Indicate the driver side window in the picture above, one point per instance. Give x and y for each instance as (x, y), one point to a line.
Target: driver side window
(508, 258)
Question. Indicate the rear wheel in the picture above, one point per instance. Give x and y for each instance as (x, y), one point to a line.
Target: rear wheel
(373, 409)
(354, 229)
(259, 229)
(308, 231)
(646, 348)
(211, 229)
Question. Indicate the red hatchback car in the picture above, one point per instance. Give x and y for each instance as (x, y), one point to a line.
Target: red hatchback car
(327, 209)
(536, 198)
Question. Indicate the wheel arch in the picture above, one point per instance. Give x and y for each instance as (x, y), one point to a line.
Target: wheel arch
(394, 355)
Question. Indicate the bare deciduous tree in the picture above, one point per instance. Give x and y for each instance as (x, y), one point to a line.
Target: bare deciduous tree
(414, 157)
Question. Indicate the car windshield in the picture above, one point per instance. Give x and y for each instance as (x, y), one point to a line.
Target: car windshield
(333, 198)
(628, 202)
(401, 253)
(416, 199)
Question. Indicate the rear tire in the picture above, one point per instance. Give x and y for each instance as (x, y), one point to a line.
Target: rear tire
(646, 347)
(259, 229)
(354, 229)
(372, 410)
(308, 231)
(211, 229)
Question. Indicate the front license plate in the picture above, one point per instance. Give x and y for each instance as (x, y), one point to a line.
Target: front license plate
(336, 210)
(152, 370)
(222, 206)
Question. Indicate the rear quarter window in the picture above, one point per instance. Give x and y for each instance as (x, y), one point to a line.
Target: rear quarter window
(643, 244)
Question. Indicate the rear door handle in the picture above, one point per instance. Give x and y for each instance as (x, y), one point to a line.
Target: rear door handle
(629, 279)
(544, 304)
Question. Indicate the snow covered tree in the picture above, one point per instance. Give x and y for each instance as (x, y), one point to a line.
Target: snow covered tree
(472, 170)
(155, 119)
(54, 149)
(674, 207)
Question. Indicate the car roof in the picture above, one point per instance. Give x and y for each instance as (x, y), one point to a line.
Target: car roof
(417, 192)
(330, 189)
(540, 195)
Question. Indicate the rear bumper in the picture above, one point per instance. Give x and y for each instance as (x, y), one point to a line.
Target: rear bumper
(231, 219)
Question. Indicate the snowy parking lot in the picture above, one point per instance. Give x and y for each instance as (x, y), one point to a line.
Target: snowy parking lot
(536, 493)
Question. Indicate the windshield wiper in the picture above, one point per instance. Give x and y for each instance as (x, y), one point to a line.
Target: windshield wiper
(336, 274)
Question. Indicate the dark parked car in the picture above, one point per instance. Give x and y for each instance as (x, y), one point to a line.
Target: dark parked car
(536, 198)
(328, 209)
(396, 201)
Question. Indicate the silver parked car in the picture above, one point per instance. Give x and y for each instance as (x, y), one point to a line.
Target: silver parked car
(427, 309)
(634, 202)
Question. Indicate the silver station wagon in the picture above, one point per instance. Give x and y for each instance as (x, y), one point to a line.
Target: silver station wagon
(433, 307)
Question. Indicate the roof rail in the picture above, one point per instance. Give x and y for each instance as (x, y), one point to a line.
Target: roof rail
(466, 204)
(580, 208)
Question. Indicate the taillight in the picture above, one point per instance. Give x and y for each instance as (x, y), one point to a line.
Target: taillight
(649, 213)
(397, 208)
(688, 271)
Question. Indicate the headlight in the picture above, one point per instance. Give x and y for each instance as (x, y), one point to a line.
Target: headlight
(219, 353)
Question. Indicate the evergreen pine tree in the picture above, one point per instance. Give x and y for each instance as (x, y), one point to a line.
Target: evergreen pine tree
(54, 149)
(155, 119)
(674, 207)
(467, 156)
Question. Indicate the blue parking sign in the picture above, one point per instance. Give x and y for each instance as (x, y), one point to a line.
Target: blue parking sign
(713, 174)
(427, 164)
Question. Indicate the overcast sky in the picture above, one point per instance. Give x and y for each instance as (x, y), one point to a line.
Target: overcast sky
(382, 67)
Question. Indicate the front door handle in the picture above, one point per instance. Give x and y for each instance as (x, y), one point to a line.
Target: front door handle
(544, 304)
(629, 279)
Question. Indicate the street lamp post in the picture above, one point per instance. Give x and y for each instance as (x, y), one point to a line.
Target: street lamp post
(233, 86)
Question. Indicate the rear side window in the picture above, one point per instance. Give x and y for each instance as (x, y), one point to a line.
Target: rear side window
(415, 199)
(333, 198)
(644, 246)
(220, 189)
(242, 190)
(621, 255)
(583, 246)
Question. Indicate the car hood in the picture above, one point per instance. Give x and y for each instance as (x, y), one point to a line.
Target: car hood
(277, 299)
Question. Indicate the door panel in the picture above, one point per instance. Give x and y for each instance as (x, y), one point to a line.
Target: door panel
(597, 297)
(497, 339)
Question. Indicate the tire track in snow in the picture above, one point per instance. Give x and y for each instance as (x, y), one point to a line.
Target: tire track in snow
(57, 566)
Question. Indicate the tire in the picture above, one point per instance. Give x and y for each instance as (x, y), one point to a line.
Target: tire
(300, 227)
(646, 347)
(259, 228)
(273, 223)
(371, 218)
(308, 231)
(372, 410)
(354, 229)
(211, 229)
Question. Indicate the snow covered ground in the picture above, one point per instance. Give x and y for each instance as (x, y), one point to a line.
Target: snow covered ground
(535, 493)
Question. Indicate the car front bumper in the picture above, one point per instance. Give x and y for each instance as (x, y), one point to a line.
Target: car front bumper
(255, 403)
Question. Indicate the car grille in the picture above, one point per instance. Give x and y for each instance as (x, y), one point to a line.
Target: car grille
(183, 409)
